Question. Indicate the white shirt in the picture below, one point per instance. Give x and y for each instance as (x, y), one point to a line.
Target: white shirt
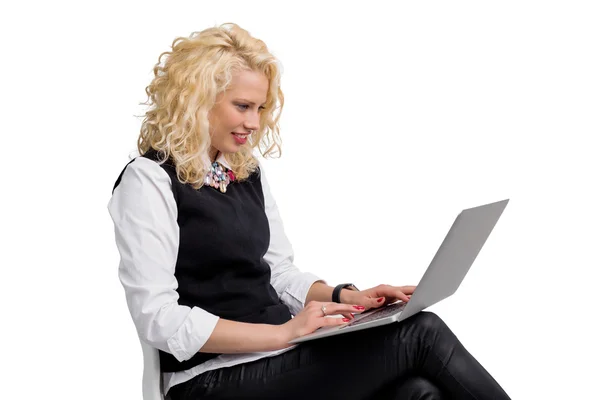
(144, 212)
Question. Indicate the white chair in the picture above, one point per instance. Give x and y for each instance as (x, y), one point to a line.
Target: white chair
(152, 377)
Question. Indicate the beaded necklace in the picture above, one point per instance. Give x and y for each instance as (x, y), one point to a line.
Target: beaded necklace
(219, 177)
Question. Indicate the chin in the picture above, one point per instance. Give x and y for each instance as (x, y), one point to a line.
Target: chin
(229, 149)
(233, 149)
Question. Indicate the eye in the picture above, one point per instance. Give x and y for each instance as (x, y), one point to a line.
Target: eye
(244, 107)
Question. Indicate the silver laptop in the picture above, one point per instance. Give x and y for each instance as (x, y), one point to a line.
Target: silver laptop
(447, 270)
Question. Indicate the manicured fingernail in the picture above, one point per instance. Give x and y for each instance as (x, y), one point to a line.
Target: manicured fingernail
(345, 319)
(359, 307)
(379, 300)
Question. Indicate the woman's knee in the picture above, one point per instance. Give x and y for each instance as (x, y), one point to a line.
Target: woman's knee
(428, 321)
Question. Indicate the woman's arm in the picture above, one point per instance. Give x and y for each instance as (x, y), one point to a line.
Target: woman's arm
(144, 213)
(240, 337)
(319, 291)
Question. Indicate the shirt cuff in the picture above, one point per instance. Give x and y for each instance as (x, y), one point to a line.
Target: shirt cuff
(192, 334)
(295, 294)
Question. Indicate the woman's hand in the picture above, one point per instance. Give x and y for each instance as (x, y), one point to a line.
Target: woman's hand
(377, 296)
(311, 318)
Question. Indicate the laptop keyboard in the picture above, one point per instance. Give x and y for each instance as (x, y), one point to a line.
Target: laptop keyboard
(377, 314)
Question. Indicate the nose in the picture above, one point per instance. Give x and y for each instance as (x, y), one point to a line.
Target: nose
(253, 122)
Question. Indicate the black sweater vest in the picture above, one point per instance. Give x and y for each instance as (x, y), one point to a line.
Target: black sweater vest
(220, 266)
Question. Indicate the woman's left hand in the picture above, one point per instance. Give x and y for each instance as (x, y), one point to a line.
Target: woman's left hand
(377, 296)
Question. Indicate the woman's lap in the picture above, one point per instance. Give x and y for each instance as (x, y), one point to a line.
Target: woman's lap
(356, 365)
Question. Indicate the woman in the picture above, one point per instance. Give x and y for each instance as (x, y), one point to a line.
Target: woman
(208, 271)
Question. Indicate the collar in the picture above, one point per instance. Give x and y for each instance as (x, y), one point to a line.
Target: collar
(221, 160)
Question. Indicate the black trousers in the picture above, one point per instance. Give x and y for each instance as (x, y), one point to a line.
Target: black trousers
(419, 358)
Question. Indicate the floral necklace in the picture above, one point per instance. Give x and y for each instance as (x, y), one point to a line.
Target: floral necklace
(219, 177)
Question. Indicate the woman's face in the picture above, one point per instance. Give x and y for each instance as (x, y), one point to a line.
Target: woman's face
(237, 112)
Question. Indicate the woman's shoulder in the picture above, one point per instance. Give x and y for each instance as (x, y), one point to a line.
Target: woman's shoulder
(142, 171)
(142, 191)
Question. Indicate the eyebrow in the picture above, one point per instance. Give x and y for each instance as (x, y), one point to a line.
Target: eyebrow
(249, 102)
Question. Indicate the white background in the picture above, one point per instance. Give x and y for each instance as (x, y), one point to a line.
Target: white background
(396, 118)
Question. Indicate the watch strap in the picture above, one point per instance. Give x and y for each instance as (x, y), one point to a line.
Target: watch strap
(335, 296)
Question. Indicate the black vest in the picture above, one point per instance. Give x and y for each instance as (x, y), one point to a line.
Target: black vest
(220, 266)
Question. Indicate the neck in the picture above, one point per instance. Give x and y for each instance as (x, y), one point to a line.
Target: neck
(213, 154)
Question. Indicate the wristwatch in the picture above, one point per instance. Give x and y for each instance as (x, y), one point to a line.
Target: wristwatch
(335, 297)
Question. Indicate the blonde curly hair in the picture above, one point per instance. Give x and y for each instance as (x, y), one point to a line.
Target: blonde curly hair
(184, 89)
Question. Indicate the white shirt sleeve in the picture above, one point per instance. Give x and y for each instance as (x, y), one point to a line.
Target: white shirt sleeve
(144, 213)
(291, 284)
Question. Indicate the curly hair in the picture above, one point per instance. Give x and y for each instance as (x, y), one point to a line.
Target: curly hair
(184, 89)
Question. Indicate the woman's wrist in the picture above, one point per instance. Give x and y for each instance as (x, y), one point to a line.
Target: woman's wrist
(281, 336)
(319, 291)
(347, 296)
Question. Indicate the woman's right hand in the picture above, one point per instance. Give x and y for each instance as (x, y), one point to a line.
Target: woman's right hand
(311, 318)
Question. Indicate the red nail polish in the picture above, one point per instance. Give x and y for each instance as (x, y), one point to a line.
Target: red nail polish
(345, 319)
(359, 307)
(379, 300)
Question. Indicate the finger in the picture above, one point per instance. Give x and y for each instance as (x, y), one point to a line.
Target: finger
(408, 289)
(333, 314)
(398, 292)
(375, 302)
(334, 321)
(348, 315)
(344, 309)
(385, 294)
(394, 293)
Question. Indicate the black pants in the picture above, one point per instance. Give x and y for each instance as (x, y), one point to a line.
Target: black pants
(419, 358)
